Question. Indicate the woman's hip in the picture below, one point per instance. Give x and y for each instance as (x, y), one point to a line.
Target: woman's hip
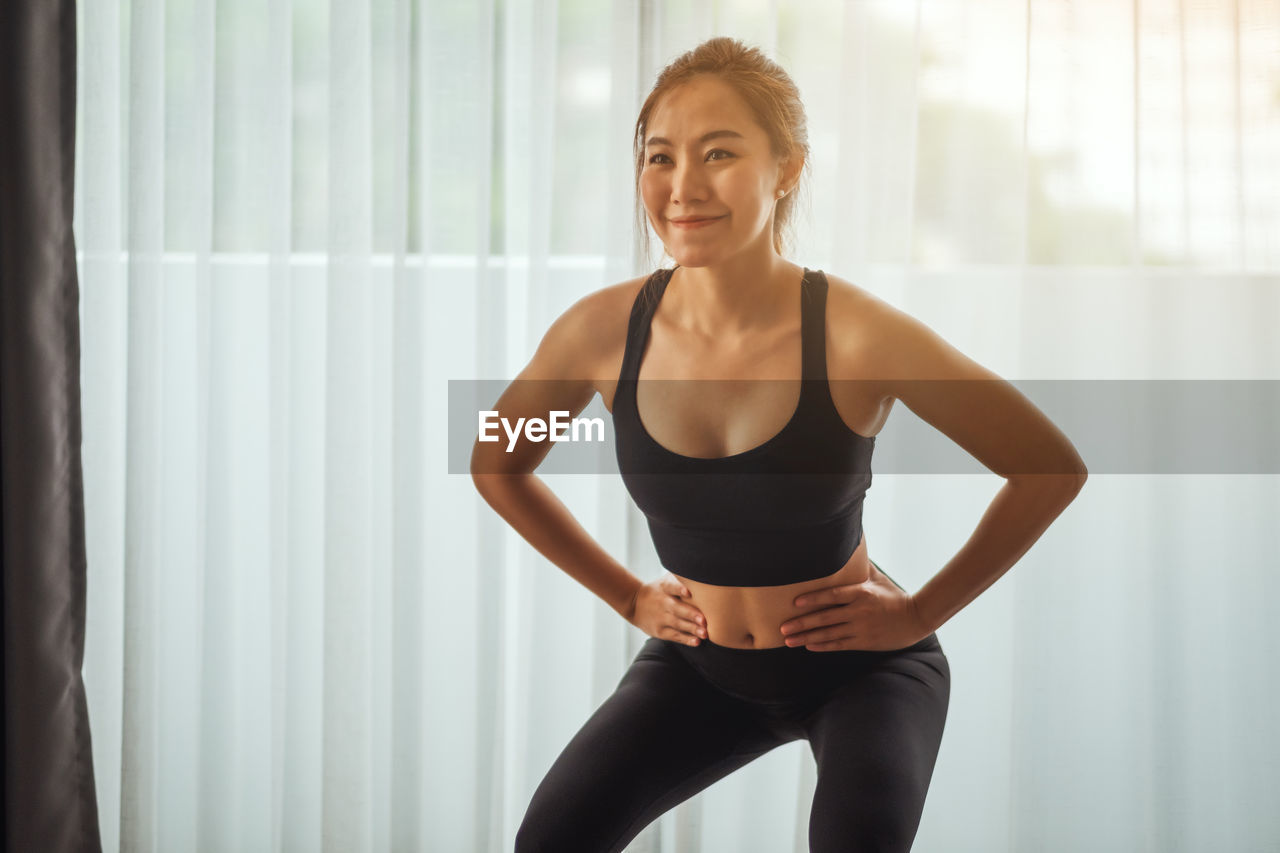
(787, 674)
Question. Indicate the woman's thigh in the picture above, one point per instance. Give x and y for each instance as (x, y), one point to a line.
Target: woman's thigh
(661, 737)
(876, 740)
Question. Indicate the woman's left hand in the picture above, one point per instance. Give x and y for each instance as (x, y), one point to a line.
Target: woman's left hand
(874, 616)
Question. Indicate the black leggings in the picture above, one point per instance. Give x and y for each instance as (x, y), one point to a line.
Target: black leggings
(684, 716)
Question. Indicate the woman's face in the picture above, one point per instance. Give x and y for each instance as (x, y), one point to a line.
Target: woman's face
(731, 178)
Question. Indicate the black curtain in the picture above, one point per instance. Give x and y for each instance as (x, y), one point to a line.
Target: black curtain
(50, 802)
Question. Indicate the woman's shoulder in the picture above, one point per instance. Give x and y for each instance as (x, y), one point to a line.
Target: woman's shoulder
(595, 325)
(871, 337)
(852, 303)
(608, 307)
(859, 323)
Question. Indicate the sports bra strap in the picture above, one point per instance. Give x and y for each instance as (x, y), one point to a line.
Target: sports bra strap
(813, 334)
(641, 316)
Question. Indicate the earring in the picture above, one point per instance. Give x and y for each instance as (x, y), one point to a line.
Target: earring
(781, 193)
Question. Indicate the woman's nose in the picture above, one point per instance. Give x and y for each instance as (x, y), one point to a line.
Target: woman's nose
(688, 184)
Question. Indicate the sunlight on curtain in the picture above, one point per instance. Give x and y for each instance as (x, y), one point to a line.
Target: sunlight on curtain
(298, 221)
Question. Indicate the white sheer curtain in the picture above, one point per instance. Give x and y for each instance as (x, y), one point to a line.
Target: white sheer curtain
(298, 221)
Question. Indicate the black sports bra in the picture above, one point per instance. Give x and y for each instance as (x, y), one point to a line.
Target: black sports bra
(785, 511)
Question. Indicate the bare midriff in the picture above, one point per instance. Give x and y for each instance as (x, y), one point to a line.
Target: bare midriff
(751, 617)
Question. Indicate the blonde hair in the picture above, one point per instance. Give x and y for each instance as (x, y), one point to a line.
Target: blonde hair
(773, 98)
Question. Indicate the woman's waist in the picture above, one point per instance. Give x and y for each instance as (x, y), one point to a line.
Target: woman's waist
(751, 617)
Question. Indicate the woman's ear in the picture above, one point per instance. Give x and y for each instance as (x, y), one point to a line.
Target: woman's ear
(789, 172)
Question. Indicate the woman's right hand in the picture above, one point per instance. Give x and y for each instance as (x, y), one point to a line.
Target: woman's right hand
(660, 610)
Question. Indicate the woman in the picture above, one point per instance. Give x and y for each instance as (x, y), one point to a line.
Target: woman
(773, 623)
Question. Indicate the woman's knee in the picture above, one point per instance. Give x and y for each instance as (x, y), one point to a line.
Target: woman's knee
(532, 837)
(872, 833)
(568, 827)
(541, 833)
(554, 826)
(882, 822)
(577, 807)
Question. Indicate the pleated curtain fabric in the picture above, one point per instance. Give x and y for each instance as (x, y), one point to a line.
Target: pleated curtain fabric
(50, 804)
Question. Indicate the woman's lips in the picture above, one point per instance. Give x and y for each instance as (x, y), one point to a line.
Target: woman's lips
(697, 223)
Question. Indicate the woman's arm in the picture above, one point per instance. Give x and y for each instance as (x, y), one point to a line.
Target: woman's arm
(994, 422)
(557, 378)
(529, 506)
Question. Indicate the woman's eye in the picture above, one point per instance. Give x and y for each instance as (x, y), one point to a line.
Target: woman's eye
(655, 157)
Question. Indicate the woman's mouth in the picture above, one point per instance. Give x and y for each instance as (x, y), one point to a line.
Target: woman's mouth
(696, 223)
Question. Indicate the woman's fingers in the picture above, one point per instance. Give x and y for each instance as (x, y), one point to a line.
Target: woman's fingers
(691, 627)
(691, 619)
(688, 625)
(693, 614)
(679, 636)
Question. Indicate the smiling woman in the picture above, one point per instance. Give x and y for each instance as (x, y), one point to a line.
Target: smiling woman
(773, 624)
(732, 175)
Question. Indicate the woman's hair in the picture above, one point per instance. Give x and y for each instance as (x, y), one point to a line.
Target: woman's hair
(768, 91)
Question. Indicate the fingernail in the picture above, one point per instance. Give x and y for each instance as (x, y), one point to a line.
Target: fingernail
(800, 602)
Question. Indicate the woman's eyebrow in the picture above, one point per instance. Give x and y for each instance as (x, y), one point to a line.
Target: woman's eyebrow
(715, 134)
